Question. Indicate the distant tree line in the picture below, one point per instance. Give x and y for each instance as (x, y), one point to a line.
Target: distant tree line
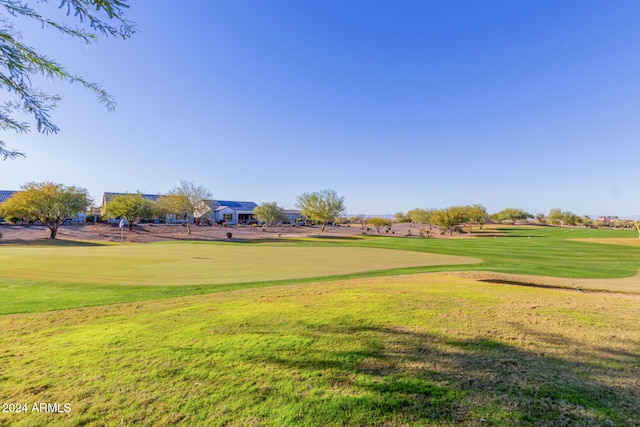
(52, 203)
(455, 218)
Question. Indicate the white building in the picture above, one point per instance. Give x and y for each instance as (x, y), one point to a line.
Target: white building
(233, 212)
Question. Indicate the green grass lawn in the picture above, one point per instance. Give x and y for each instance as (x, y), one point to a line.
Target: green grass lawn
(406, 350)
(54, 277)
(64, 275)
(544, 251)
(319, 332)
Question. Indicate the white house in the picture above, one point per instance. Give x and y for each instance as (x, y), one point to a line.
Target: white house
(233, 212)
(294, 216)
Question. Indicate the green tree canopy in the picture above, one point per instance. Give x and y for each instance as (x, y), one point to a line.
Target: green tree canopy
(188, 200)
(451, 217)
(130, 207)
(358, 219)
(422, 216)
(321, 206)
(269, 213)
(570, 218)
(47, 202)
(558, 217)
(21, 66)
(555, 216)
(401, 217)
(380, 223)
(513, 215)
(477, 214)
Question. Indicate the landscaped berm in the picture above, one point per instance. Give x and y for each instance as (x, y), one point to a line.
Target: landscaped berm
(532, 326)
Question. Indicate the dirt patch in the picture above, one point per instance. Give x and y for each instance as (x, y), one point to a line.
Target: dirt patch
(22, 234)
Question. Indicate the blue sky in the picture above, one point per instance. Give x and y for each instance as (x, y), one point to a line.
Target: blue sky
(393, 104)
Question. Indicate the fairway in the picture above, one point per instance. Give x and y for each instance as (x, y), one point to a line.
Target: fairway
(165, 264)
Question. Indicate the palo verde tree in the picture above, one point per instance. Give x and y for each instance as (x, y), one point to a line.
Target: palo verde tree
(379, 223)
(541, 218)
(321, 206)
(269, 214)
(21, 66)
(422, 216)
(571, 219)
(513, 215)
(131, 207)
(47, 202)
(477, 214)
(555, 216)
(451, 218)
(188, 200)
(558, 217)
(401, 217)
(358, 219)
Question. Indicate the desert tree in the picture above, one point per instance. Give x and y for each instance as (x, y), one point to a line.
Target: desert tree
(451, 218)
(541, 218)
(513, 215)
(47, 202)
(21, 66)
(558, 217)
(422, 216)
(621, 223)
(477, 214)
(342, 220)
(269, 213)
(571, 218)
(555, 217)
(131, 207)
(401, 217)
(187, 199)
(379, 223)
(321, 206)
(358, 219)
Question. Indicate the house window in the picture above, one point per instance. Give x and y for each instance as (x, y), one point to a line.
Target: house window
(228, 217)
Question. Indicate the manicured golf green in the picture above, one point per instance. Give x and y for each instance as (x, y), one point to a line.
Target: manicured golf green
(163, 264)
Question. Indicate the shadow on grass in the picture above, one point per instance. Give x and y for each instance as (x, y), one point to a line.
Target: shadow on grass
(307, 239)
(403, 377)
(50, 242)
